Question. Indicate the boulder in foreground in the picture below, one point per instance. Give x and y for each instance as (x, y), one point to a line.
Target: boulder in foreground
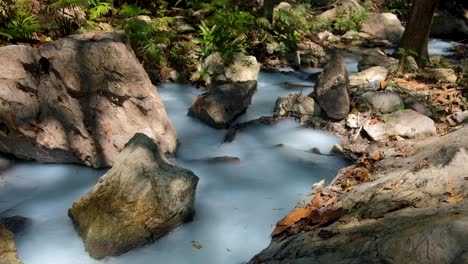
(139, 200)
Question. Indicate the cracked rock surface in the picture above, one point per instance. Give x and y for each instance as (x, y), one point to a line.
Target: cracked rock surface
(413, 210)
(78, 100)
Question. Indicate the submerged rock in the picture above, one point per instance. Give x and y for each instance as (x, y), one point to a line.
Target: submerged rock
(405, 123)
(139, 200)
(8, 254)
(78, 100)
(223, 103)
(385, 26)
(298, 106)
(332, 89)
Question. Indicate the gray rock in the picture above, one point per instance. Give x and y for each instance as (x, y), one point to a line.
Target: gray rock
(376, 57)
(418, 106)
(411, 212)
(405, 123)
(384, 102)
(310, 54)
(372, 74)
(440, 75)
(331, 14)
(223, 103)
(332, 89)
(384, 25)
(78, 100)
(139, 200)
(242, 69)
(447, 25)
(460, 117)
(8, 254)
(298, 106)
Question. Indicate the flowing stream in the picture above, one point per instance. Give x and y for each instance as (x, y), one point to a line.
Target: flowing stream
(237, 204)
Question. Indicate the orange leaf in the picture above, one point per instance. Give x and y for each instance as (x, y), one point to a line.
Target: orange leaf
(383, 84)
(455, 199)
(107, 128)
(290, 220)
(451, 181)
(374, 121)
(10, 121)
(377, 156)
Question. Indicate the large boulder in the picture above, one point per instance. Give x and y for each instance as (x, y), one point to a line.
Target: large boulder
(298, 106)
(370, 75)
(450, 25)
(405, 123)
(8, 254)
(332, 89)
(310, 54)
(223, 103)
(78, 100)
(384, 25)
(139, 200)
(413, 210)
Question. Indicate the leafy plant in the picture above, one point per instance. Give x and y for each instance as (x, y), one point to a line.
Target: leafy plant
(133, 11)
(289, 25)
(17, 23)
(207, 40)
(348, 19)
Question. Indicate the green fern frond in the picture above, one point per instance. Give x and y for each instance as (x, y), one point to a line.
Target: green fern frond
(133, 11)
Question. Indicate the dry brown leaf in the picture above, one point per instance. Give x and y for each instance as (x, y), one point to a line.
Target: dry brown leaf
(290, 220)
(451, 181)
(383, 84)
(374, 121)
(10, 121)
(377, 156)
(107, 128)
(455, 199)
(196, 245)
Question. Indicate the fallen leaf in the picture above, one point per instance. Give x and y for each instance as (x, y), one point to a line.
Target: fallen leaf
(10, 121)
(455, 199)
(107, 128)
(383, 84)
(377, 156)
(196, 245)
(451, 181)
(290, 220)
(374, 121)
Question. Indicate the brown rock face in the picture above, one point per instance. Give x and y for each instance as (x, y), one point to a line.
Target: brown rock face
(332, 89)
(8, 253)
(78, 100)
(139, 200)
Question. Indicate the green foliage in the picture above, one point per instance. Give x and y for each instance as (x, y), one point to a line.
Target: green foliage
(17, 22)
(398, 7)
(290, 25)
(348, 19)
(225, 31)
(99, 9)
(151, 39)
(133, 11)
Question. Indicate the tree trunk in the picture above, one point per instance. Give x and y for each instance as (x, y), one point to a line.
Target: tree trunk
(416, 36)
(267, 9)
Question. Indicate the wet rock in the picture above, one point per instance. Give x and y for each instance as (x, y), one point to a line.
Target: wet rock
(375, 57)
(384, 102)
(242, 69)
(15, 223)
(459, 117)
(384, 25)
(139, 200)
(440, 75)
(332, 89)
(8, 254)
(223, 103)
(298, 106)
(405, 123)
(372, 74)
(78, 100)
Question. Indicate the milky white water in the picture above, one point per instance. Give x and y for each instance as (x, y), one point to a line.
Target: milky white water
(237, 205)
